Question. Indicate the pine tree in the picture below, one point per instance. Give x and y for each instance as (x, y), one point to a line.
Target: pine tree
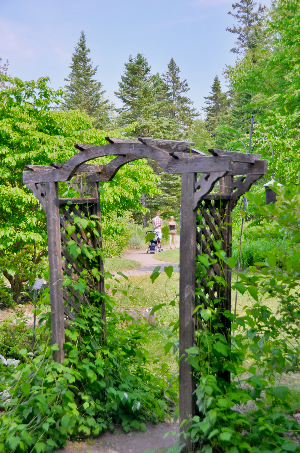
(216, 105)
(136, 75)
(84, 92)
(180, 105)
(145, 101)
(250, 30)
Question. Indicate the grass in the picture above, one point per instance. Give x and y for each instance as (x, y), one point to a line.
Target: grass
(141, 292)
(171, 256)
(119, 264)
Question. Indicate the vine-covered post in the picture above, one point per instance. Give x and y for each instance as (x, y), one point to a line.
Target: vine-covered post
(55, 270)
(187, 294)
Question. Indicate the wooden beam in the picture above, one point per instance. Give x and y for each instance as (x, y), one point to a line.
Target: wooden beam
(260, 167)
(55, 270)
(187, 295)
(236, 156)
(167, 145)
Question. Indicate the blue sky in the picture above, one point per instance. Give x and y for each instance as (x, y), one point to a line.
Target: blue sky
(38, 38)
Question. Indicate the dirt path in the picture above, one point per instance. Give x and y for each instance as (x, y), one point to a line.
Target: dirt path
(147, 261)
(134, 442)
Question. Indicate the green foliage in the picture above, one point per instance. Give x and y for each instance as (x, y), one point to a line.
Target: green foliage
(181, 107)
(216, 104)
(200, 136)
(32, 133)
(97, 385)
(145, 101)
(263, 346)
(17, 336)
(250, 29)
(271, 80)
(83, 92)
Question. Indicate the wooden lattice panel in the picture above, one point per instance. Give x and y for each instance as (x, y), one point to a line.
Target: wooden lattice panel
(74, 267)
(213, 225)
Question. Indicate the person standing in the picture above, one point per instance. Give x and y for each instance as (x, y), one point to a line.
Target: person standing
(172, 231)
(157, 224)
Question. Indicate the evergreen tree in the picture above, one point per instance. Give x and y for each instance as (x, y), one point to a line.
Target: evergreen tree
(216, 105)
(250, 28)
(145, 101)
(136, 74)
(84, 92)
(180, 106)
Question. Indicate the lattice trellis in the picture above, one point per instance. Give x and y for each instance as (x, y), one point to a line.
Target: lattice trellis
(236, 172)
(74, 268)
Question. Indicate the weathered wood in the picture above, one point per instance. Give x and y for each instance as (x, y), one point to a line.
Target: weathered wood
(96, 210)
(167, 145)
(236, 156)
(242, 186)
(77, 200)
(120, 140)
(39, 192)
(55, 270)
(205, 184)
(260, 167)
(187, 294)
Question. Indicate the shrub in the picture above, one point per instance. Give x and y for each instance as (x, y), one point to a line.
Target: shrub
(135, 242)
(115, 233)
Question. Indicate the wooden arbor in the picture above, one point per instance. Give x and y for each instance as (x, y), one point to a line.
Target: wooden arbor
(236, 172)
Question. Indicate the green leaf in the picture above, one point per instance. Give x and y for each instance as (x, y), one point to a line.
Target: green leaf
(225, 436)
(13, 442)
(168, 346)
(40, 447)
(221, 348)
(231, 262)
(23, 351)
(155, 274)
(240, 287)
(253, 290)
(26, 437)
(165, 231)
(206, 314)
(26, 388)
(290, 446)
(213, 433)
(55, 347)
(156, 308)
(150, 236)
(65, 420)
(169, 271)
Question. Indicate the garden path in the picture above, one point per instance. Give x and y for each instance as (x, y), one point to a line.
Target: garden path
(134, 442)
(148, 263)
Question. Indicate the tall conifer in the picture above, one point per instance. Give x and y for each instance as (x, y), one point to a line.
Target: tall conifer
(180, 106)
(216, 104)
(83, 91)
(250, 28)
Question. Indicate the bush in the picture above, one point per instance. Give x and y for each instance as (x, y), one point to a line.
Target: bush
(98, 384)
(135, 242)
(115, 233)
(15, 337)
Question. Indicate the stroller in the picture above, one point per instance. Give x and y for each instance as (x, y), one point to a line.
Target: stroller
(154, 244)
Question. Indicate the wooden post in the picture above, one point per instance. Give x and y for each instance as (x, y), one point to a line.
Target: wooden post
(187, 295)
(55, 269)
(98, 243)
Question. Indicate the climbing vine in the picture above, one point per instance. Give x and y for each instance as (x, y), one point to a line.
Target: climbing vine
(102, 381)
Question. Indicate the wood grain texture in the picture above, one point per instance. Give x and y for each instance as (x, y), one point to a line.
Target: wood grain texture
(187, 295)
(236, 156)
(167, 145)
(206, 184)
(55, 270)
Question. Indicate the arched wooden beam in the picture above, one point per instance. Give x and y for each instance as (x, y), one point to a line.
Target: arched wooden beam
(175, 163)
